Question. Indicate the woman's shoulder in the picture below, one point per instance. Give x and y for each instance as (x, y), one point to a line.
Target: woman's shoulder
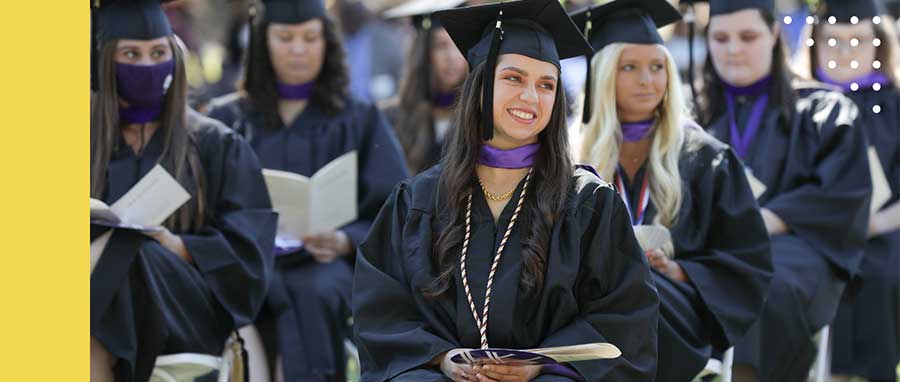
(588, 188)
(209, 133)
(228, 107)
(699, 142)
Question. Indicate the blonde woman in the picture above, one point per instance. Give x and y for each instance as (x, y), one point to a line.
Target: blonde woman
(713, 279)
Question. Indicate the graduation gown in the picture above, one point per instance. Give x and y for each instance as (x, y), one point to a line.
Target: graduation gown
(721, 243)
(816, 172)
(147, 301)
(309, 302)
(597, 286)
(865, 330)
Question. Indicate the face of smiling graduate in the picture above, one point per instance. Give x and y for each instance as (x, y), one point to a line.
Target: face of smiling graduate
(524, 96)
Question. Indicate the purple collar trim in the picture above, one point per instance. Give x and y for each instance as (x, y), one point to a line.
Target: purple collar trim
(444, 100)
(519, 157)
(864, 82)
(296, 92)
(635, 131)
(752, 90)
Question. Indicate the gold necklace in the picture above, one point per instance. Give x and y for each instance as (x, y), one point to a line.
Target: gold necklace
(495, 197)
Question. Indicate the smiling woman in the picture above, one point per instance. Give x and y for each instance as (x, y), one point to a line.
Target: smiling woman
(505, 243)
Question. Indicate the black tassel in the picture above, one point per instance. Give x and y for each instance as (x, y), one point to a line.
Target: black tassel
(487, 99)
(586, 108)
(691, 20)
(586, 111)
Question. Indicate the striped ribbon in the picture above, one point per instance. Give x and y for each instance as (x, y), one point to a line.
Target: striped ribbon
(637, 217)
(481, 320)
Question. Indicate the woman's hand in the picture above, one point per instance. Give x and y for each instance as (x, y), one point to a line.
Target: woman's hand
(507, 373)
(774, 224)
(170, 241)
(455, 371)
(663, 265)
(327, 247)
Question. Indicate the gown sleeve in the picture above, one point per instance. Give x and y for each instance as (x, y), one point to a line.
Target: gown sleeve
(732, 271)
(392, 334)
(616, 295)
(233, 251)
(837, 187)
(382, 166)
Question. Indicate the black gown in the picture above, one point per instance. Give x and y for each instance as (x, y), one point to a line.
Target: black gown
(308, 306)
(147, 301)
(865, 330)
(722, 245)
(597, 286)
(815, 168)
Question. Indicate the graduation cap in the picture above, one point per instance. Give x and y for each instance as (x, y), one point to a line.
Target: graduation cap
(622, 21)
(843, 10)
(293, 11)
(724, 7)
(539, 29)
(125, 19)
(420, 12)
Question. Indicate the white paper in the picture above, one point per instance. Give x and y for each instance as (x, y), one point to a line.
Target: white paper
(153, 199)
(881, 190)
(574, 353)
(322, 203)
(756, 186)
(97, 247)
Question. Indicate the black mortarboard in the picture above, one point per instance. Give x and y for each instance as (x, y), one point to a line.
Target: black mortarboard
(722, 7)
(622, 21)
(420, 12)
(539, 29)
(843, 10)
(125, 19)
(293, 11)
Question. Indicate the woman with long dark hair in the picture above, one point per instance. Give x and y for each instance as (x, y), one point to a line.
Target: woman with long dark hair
(806, 156)
(713, 279)
(854, 50)
(504, 244)
(183, 287)
(297, 115)
(435, 70)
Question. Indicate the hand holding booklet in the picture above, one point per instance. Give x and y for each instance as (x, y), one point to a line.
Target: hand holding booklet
(143, 208)
(320, 203)
(655, 237)
(542, 356)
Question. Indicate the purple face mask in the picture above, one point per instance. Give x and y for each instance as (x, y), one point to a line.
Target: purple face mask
(143, 88)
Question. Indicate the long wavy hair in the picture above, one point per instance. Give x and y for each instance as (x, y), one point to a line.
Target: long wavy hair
(602, 135)
(414, 123)
(178, 157)
(550, 183)
(806, 60)
(260, 81)
(782, 94)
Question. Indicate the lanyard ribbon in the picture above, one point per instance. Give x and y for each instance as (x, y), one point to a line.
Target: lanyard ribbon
(637, 217)
(741, 142)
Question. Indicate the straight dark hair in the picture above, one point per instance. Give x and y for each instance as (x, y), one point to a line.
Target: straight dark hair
(551, 182)
(179, 157)
(260, 80)
(781, 94)
(415, 122)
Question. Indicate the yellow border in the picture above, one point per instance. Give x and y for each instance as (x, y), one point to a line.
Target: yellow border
(44, 151)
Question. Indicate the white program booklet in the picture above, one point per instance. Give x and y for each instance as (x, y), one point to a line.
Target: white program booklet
(320, 203)
(144, 207)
